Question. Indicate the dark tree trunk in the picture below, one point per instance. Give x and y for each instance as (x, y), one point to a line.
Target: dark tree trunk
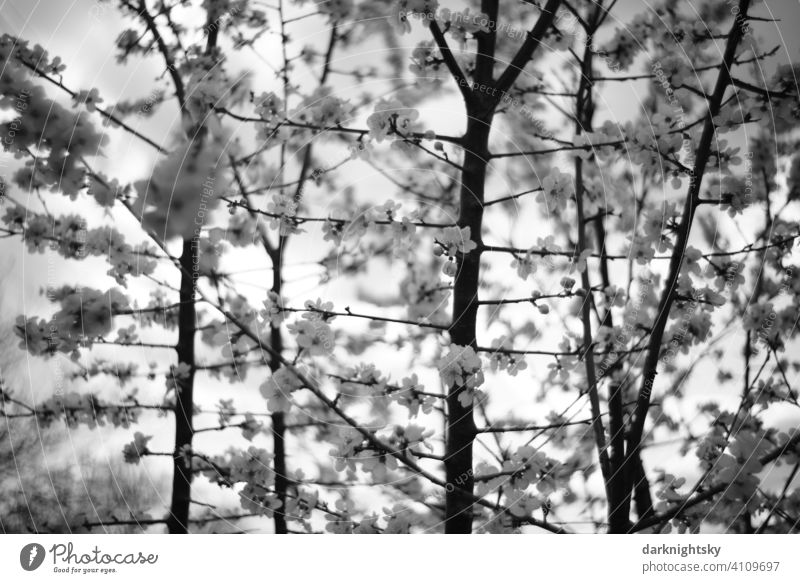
(178, 520)
(481, 105)
(641, 493)
(278, 419)
(460, 422)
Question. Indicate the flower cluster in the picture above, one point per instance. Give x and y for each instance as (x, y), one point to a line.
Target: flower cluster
(350, 448)
(320, 110)
(557, 189)
(61, 138)
(134, 451)
(181, 190)
(278, 388)
(254, 468)
(282, 209)
(390, 117)
(409, 395)
(455, 240)
(527, 466)
(501, 360)
(85, 314)
(426, 294)
(407, 438)
(604, 143)
(87, 409)
(273, 312)
(528, 264)
(461, 366)
(462, 25)
(625, 44)
(336, 10)
(313, 337)
(405, 9)
(426, 61)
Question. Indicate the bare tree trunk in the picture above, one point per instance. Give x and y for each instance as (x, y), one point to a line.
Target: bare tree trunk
(460, 421)
(641, 492)
(481, 100)
(278, 418)
(178, 520)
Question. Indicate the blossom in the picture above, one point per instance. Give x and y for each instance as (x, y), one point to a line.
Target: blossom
(403, 232)
(104, 191)
(86, 312)
(15, 216)
(177, 374)
(377, 464)
(455, 240)
(524, 505)
(403, 9)
(282, 205)
(409, 395)
(669, 488)
(560, 38)
(318, 310)
(734, 192)
(89, 99)
(676, 69)
(134, 451)
(273, 312)
(300, 506)
(60, 137)
(411, 436)
(320, 111)
(557, 189)
(37, 337)
(625, 43)
(462, 367)
(461, 24)
(724, 157)
(340, 523)
(536, 256)
(426, 295)
(226, 411)
(181, 190)
(784, 108)
(127, 335)
(389, 117)
(641, 250)
(355, 379)
(333, 231)
(691, 260)
(336, 10)
(250, 427)
(426, 61)
(346, 443)
(399, 519)
(254, 465)
(254, 468)
(501, 359)
(270, 108)
(278, 388)
(729, 118)
(526, 264)
(314, 337)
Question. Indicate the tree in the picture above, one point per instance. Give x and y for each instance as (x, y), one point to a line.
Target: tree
(635, 269)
